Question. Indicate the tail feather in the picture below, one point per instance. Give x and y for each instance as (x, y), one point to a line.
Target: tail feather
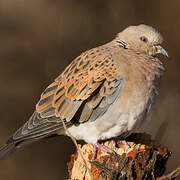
(31, 132)
(12, 146)
(7, 149)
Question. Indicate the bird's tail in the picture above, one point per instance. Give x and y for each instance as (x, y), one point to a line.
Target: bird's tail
(34, 129)
(12, 146)
(7, 149)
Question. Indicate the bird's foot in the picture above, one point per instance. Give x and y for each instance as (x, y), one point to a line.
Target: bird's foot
(102, 148)
(117, 142)
(125, 143)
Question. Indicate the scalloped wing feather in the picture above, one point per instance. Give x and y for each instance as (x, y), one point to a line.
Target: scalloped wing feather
(90, 78)
(83, 92)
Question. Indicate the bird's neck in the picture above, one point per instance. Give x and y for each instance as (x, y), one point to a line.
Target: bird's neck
(152, 66)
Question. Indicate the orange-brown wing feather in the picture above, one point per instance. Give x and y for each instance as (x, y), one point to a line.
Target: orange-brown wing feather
(81, 87)
(83, 92)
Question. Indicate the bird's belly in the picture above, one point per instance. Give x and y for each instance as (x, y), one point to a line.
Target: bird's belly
(113, 123)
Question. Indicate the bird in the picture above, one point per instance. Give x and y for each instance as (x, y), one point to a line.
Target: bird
(107, 91)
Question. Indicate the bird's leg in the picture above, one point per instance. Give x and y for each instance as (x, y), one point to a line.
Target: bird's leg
(125, 143)
(94, 151)
(97, 146)
(121, 139)
(116, 142)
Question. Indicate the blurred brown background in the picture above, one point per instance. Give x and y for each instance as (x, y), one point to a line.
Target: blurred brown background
(38, 38)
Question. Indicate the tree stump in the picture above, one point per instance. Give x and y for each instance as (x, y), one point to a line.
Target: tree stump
(133, 161)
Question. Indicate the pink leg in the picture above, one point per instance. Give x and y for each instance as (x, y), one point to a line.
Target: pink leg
(125, 143)
(102, 148)
(94, 151)
(116, 142)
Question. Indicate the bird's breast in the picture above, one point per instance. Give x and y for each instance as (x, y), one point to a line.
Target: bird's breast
(123, 115)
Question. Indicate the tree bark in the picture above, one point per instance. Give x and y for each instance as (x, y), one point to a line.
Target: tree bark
(139, 159)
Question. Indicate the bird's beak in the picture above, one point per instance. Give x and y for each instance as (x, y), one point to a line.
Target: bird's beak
(160, 50)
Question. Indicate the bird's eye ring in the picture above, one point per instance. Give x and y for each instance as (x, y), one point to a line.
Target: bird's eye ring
(144, 39)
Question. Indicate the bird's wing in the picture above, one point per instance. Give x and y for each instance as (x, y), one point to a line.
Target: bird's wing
(83, 92)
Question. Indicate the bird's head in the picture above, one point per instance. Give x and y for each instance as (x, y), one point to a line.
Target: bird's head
(141, 38)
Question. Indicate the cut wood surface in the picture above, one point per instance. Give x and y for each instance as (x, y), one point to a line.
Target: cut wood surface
(133, 161)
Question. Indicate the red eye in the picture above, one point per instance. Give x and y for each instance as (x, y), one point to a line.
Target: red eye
(144, 39)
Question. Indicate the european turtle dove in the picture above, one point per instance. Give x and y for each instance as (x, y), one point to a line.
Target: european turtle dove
(105, 92)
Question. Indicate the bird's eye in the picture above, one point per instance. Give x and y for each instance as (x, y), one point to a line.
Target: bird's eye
(144, 39)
